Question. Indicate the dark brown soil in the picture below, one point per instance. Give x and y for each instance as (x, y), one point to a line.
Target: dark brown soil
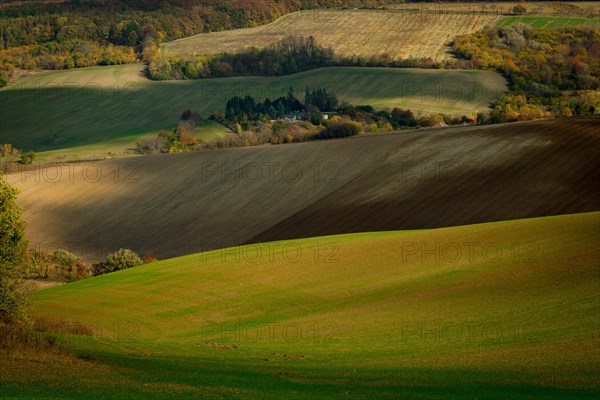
(496, 173)
(172, 205)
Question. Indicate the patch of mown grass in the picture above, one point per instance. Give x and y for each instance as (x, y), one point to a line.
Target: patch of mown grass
(548, 22)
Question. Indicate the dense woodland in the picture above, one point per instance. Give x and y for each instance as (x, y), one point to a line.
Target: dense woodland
(81, 33)
(552, 72)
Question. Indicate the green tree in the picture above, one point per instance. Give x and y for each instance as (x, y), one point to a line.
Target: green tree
(3, 79)
(12, 255)
(122, 259)
(64, 263)
(8, 156)
(28, 158)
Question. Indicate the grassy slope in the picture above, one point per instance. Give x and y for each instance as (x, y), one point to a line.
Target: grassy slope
(530, 299)
(101, 109)
(548, 22)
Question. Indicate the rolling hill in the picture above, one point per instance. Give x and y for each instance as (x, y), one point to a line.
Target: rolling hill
(406, 31)
(170, 205)
(494, 311)
(360, 33)
(91, 112)
(447, 263)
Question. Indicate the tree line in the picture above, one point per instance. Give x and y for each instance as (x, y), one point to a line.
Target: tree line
(79, 33)
(316, 102)
(286, 56)
(247, 108)
(286, 119)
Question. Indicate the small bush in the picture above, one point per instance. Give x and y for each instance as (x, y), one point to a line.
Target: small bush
(151, 145)
(28, 158)
(99, 268)
(339, 130)
(64, 260)
(189, 115)
(3, 79)
(40, 264)
(148, 258)
(82, 271)
(122, 259)
(64, 265)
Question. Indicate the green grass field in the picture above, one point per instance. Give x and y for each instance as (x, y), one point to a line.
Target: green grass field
(90, 112)
(492, 311)
(549, 22)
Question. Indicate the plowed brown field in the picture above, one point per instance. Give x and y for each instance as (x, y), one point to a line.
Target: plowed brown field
(171, 205)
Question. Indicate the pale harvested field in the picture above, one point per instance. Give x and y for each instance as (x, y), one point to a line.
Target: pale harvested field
(179, 204)
(349, 33)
